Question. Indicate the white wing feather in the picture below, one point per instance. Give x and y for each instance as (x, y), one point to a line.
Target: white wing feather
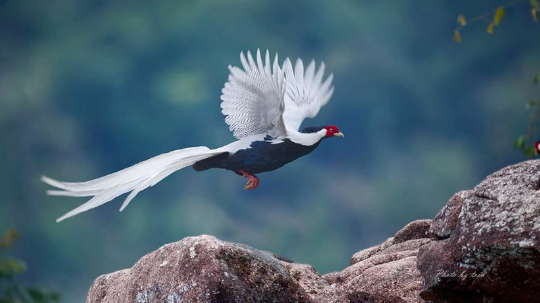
(253, 97)
(305, 92)
(258, 100)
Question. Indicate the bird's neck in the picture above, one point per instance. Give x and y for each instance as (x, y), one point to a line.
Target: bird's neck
(307, 139)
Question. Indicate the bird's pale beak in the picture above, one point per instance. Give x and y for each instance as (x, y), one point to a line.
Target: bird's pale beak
(340, 134)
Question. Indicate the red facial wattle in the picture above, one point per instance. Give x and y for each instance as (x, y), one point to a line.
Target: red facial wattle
(332, 131)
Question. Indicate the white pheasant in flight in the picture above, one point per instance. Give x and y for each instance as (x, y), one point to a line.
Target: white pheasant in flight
(264, 104)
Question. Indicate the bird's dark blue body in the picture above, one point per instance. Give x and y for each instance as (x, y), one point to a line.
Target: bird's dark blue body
(261, 156)
(264, 156)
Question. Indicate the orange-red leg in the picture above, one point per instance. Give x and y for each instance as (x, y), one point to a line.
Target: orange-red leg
(252, 181)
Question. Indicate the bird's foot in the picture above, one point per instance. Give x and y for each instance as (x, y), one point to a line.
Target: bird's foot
(252, 181)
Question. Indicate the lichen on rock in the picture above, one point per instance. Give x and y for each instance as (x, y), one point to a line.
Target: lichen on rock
(489, 241)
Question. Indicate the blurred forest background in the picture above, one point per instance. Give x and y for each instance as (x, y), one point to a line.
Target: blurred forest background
(91, 87)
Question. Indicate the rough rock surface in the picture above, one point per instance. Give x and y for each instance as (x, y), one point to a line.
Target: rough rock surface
(488, 247)
(387, 272)
(483, 246)
(201, 269)
(206, 269)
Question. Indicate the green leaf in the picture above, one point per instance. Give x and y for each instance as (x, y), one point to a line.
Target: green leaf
(490, 29)
(457, 36)
(10, 267)
(499, 14)
(529, 151)
(461, 20)
(536, 79)
(10, 290)
(42, 296)
(520, 142)
(535, 5)
(9, 237)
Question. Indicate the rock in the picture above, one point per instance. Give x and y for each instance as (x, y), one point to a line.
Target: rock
(318, 288)
(203, 269)
(445, 221)
(206, 269)
(387, 272)
(483, 246)
(488, 241)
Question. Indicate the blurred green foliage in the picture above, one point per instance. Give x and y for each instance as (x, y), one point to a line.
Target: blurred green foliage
(494, 17)
(10, 267)
(525, 143)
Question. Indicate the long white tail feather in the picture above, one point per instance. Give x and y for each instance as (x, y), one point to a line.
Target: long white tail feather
(72, 193)
(133, 179)
(101, 198)
(136, 170)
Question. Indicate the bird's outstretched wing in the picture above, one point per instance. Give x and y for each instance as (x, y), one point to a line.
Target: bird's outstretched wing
(253, 97)
(305, 92)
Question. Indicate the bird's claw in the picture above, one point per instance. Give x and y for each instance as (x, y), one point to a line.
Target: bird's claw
(252, 181)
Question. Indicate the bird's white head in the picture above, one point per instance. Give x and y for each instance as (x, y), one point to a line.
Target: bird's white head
(537, 148)
(333, 131)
